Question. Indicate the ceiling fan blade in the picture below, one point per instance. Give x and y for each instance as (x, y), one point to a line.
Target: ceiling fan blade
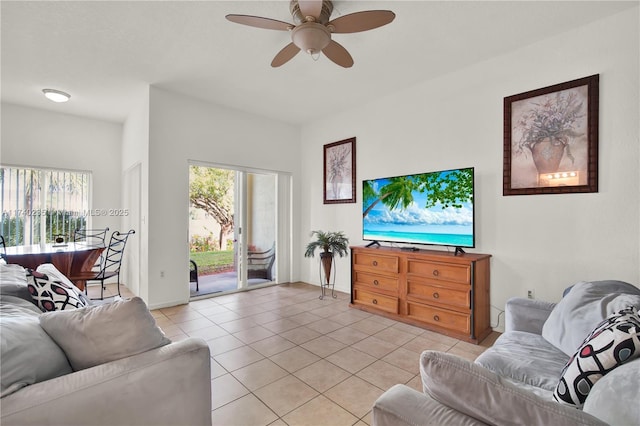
(310, 8)
(361, 21)
(285, 55)
(259, 22)
(338, 54)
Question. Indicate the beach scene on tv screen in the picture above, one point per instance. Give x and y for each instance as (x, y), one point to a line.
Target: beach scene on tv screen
(429, 208)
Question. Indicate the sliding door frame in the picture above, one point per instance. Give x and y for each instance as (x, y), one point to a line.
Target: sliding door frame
(283, 220)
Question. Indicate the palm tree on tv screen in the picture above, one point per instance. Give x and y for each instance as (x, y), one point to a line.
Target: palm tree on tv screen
(449, 189)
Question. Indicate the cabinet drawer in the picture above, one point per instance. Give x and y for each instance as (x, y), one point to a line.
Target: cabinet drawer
(377, 262)
(440, 271)
(440, 295)
(450, 320)
(378, 301)
(377, 281)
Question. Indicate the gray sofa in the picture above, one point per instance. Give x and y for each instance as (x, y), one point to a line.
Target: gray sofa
(512, 383)
(105, 364)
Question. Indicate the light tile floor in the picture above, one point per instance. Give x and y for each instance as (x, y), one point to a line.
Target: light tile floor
(281, 356)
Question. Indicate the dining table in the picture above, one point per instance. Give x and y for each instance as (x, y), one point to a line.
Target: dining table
(69, 258)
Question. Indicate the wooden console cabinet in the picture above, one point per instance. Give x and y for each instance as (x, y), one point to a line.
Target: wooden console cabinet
(431, 289)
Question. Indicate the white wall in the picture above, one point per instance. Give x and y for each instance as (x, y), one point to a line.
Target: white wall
(539, 242)
(183, 129)
(39, 138)
(135, 168)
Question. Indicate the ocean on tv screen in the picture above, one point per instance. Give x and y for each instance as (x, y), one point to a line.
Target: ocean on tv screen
(449, 239)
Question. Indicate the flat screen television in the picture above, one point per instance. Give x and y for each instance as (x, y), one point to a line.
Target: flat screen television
(434, 208)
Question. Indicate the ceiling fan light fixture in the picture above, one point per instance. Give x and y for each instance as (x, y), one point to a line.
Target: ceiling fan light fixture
(56, 95)
(314, 27)
(311, 37)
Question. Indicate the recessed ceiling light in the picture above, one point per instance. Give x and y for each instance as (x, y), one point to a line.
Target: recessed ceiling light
(56, 95)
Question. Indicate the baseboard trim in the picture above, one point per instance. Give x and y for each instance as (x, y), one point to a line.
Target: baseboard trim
(168, 304)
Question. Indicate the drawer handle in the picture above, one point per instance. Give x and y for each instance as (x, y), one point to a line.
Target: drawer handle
(436, 295)
(436, 273)
(375, 301)
(375, 263)
(437, 318)
(375, 282)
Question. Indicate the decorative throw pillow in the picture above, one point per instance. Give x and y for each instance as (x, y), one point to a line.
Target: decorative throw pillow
(99, 334)
(52, 272)
(54, 295)
(613, 342)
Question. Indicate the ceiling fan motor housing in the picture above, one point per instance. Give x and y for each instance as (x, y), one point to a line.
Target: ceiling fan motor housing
(311, 37)
(298, 18)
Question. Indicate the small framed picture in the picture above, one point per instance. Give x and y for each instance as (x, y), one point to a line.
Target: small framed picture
(551, 139)
(340, 172)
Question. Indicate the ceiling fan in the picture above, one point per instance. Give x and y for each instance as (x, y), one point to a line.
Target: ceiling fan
(313, 29)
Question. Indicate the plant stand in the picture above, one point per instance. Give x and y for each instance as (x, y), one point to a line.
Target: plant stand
(324, 285)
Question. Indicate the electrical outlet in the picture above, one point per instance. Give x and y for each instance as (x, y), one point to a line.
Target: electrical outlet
(530, 294)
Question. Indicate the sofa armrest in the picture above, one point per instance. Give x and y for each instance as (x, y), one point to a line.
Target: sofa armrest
(401, 405)
(484, 395)
(526, 314)
(170, 385)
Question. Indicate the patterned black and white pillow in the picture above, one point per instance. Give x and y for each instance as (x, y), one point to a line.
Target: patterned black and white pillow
(613, 342)
(54, 295)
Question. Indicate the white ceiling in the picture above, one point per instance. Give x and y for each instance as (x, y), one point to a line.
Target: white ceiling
(104, 53)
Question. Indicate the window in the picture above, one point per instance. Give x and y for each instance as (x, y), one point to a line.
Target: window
(40, 204)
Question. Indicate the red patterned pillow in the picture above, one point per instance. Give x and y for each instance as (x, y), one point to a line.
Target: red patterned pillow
(613, 342)
(54, 295)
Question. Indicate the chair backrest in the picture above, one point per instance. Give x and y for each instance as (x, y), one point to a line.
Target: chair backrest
(193, 271)
(115, 251)
(94, 237)
(3, 246)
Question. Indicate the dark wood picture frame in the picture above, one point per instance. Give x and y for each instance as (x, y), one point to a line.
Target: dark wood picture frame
(551, 139)
(339, 183)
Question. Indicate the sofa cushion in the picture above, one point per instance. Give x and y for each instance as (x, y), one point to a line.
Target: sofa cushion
(28, 354)
(526, 358)
(19, 302)
(614, 398)
(102, 333)
(472, 389)
(584, 307)
(13, 281)
(612, 343)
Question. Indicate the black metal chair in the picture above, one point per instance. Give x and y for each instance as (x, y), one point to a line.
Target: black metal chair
(260, 263)
(3, 247)
(193, 274)
(93, 237)
(111, 265)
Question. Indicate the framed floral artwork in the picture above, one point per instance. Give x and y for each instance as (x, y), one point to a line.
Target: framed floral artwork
(551, 139)
(340, 172)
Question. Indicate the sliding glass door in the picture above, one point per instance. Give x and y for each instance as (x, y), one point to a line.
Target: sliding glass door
(233, 217)
(256, 228)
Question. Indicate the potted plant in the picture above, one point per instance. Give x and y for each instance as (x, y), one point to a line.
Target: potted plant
(548, 128)
(331, 243)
